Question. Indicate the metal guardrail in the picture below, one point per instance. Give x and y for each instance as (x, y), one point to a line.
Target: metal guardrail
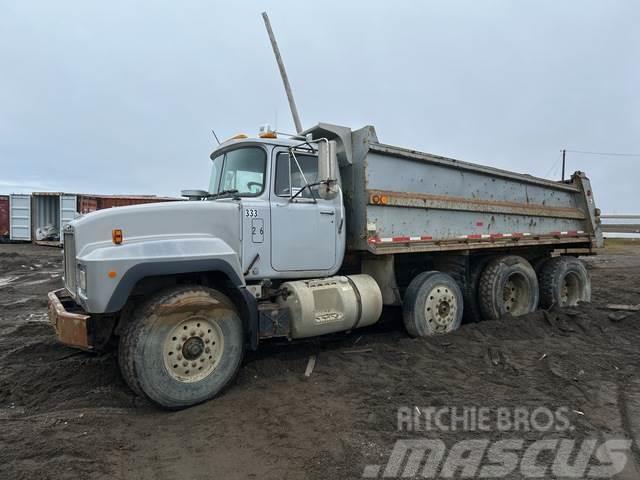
(620, 226)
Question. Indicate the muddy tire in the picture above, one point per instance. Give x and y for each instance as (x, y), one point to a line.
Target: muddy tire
(564, 281)
(508, 285)
(432, 305)
(182, 346)
(472, 313)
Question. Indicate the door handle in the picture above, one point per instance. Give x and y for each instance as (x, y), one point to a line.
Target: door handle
(327, 212)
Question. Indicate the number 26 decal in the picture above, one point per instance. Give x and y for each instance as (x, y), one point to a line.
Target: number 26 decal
(257, 230)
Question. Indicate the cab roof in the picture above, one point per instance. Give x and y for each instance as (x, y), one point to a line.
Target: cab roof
(233, 142)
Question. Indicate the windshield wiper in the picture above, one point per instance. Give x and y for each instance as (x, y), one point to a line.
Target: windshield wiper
(223, 192)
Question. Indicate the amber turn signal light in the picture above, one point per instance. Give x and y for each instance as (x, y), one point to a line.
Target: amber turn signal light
(116, 236)
(379, 199)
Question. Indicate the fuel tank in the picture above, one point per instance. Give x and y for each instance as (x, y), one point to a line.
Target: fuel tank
(333, 304)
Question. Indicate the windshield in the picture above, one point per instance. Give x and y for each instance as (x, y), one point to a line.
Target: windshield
(241, 170)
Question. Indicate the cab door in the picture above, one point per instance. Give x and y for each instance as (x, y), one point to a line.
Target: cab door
(303, 226)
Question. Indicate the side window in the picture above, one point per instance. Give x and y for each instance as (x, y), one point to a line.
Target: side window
(286, 168)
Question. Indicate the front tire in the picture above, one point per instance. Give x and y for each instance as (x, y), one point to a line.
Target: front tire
(182, 346)
(432, 305)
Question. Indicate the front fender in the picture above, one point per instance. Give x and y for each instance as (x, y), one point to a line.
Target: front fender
(107, 292)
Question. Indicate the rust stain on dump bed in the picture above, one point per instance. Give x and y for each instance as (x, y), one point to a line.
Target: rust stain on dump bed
(447, 202)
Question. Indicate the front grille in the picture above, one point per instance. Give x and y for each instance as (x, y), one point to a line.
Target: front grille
(69, 263)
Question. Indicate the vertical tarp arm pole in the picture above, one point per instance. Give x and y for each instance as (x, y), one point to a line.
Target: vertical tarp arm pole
(283, 74)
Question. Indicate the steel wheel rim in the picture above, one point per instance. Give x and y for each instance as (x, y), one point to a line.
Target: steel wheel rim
(515, 294)
(570, 290)
(441, 308)
(193, 349)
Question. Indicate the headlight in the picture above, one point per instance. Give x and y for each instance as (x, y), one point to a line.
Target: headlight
(82, 278)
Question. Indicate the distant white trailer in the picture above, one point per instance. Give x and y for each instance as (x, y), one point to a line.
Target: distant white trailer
(20, 217)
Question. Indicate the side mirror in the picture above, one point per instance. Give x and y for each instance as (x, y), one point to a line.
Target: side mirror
(194, 194)
(328, 169)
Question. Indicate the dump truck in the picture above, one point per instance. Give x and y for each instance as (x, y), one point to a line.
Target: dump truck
(310, 235)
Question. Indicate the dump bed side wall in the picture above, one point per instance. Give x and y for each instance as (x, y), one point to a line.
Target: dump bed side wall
(403, 197)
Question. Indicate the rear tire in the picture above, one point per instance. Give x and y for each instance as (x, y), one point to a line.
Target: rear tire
(432, 305)
(508, 285)
(472, 312)
(564, 281)
(182, 346)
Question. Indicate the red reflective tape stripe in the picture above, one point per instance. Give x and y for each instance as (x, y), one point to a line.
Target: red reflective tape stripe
(374, 240)
(517, 235)
(555, 234)
(425, 237)
(573, 233)
(496, 235)
(474, 236)
(401, 239)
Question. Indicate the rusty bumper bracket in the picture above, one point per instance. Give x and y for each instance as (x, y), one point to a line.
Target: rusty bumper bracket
(71, 326)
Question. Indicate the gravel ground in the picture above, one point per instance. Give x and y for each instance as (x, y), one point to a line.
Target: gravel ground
(68, 414)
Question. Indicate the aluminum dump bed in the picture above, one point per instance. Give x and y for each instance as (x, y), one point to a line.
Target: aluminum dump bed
(401, 200)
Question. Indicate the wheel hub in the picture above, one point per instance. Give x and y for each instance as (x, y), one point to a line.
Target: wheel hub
(515, 294)
(509, 295)
(193, 349)
(564, 293)
(440, 308)
(443, 308)
(570, 290)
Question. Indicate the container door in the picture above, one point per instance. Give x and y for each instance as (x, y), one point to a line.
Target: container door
(20, 217)
(4, 216)
(67, 212)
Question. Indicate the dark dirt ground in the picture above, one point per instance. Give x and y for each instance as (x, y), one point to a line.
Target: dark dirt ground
(68, 414)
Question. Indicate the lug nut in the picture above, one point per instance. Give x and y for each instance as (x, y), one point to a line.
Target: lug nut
(185, 364)
(179, 357)
(207, 349)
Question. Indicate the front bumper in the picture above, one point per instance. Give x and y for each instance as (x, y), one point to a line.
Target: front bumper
(69, 320)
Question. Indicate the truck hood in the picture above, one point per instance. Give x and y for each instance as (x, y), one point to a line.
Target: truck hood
(159, 221)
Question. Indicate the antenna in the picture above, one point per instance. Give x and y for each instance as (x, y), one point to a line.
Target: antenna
(283, 74)
(215, 136)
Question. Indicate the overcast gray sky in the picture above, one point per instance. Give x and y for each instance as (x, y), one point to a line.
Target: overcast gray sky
(119, 96)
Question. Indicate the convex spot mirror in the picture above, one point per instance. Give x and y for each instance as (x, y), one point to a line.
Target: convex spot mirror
(327, 169)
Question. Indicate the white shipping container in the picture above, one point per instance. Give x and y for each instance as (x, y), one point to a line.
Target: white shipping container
(20, 217)
(55, 210)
